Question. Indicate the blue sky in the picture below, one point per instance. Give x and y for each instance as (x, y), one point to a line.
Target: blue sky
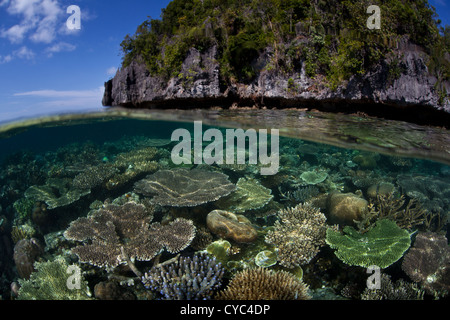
(47, 68)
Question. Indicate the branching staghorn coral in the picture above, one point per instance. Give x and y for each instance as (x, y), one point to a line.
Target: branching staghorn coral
(186, 278)
(407, 214)
(298, 235)
(114, 228)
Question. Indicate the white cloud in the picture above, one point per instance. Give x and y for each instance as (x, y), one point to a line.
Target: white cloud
(40, 20)
(24, 53)
(111, 71)
(21, 53)
(60, 47)
(95, 93)
(15, 34)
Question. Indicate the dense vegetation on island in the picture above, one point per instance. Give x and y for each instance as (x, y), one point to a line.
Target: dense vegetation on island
(330, 37)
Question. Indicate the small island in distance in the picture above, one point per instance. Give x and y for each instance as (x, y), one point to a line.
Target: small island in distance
(311, 54)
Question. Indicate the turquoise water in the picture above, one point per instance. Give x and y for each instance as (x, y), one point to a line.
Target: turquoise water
(98, 204)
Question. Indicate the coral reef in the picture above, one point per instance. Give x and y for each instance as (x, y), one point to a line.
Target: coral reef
(298, 235)
(382, 245)
(106, 231)
(49, 282)
(264, 284)
(313, 177)
(26, 253)
(389, 290)
(184, 188)
(266, 258)
(94, 176)
(57, 192)
(186, 278)
(406, 214)
(249, 195)
(428, 263)
(345, 208)
(230, 226)
(432, 192)
(110, 290)
(131, 165)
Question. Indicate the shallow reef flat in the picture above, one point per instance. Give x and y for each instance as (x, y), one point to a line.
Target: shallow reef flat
(95, 208)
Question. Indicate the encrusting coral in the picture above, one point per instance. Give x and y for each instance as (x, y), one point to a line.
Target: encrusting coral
(186, 278)
(231, 226)
(184, 188)
(114, 228)
(264, 284)
(298, 235)
(428, 263)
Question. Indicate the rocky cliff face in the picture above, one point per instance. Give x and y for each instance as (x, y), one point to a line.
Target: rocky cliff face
(199, 85)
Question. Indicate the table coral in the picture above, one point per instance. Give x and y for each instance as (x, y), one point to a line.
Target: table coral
(106, 231)
(184, 188)
(249, 195)
(381, 246)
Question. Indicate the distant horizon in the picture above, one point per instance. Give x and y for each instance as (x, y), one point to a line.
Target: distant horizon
(48, 68)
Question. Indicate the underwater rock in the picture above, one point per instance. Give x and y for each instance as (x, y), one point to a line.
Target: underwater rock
(26, 253)
(228, 225)
(184, 188)
(249, 195)
(345, 208)
(381, 246)
(428, 263)
(110, 290)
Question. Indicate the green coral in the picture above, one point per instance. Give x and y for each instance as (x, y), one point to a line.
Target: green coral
(51, 281)
(382, 245)
(23, 208)
(313, 177)
(249, 195)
